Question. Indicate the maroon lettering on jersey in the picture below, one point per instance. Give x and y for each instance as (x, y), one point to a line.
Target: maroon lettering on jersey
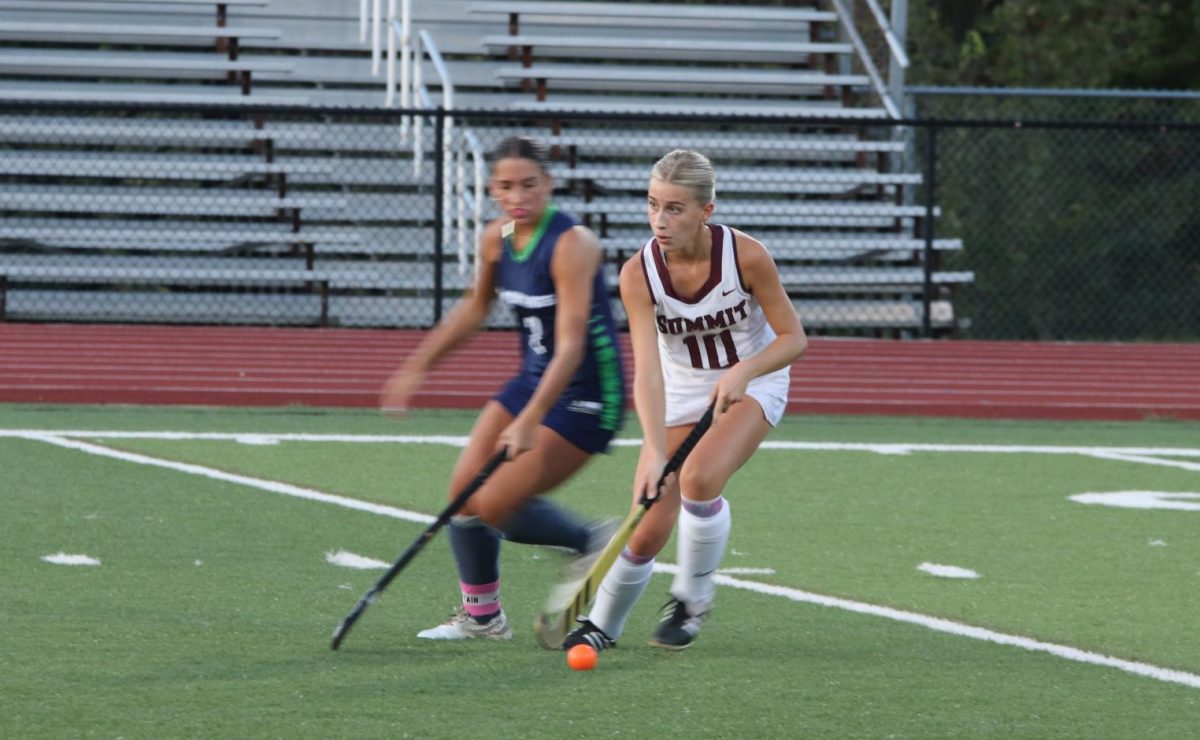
(723, 319)
(716, 321)
(710, 359)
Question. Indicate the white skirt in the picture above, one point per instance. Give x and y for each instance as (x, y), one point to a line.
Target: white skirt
(688, 393)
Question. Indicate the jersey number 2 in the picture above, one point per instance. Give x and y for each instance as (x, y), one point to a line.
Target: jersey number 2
(536, 332)
(709, 359)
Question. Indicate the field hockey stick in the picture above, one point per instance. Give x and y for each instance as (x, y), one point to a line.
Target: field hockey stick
(451, 509)
(555, 621)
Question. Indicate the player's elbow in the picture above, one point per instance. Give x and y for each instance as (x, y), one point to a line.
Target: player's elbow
(796, 344)
(473, 308)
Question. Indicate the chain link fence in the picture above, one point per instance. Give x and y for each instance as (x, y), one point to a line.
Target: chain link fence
(1078, 211)
(345, 217)
(203, 215)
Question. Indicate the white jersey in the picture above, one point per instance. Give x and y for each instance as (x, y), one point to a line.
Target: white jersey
(702, 335)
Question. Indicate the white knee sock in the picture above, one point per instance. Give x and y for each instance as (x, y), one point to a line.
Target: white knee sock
(703, 531)
(619, 591)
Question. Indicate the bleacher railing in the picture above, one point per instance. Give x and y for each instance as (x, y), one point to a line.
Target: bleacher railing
(897, 58)
(410, 51)
(456, 145)
(1019, 227)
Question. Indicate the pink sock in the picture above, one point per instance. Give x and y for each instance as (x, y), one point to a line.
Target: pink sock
(481, 600)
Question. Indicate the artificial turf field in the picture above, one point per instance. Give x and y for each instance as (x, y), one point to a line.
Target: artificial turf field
(210, 611)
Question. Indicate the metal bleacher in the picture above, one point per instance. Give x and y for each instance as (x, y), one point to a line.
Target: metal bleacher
(119, 213)
(122, 210)
(834, 202)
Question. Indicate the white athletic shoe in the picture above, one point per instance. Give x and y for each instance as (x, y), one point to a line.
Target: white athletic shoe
(462, 626)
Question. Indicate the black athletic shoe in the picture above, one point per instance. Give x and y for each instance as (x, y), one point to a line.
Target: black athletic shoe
(588, 634)
(677, 629)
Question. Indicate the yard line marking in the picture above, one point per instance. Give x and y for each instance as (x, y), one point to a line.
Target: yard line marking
(894, 448)
(1133, 457)
(62, 558)
(937, 624)
(249, 437)
(353, 560)
(1170, 500)
(267, 485)
(883, 448)
(946, 571)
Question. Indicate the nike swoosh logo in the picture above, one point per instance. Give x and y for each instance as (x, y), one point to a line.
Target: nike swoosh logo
(727, 292)
(705, 573)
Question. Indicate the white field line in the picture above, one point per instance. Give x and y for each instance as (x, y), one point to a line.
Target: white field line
(956, 628)
(267, 485)
(1067, 652)
(259, 437)
(1145, 459)
(885, 448)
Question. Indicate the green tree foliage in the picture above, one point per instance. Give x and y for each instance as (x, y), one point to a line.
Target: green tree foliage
(1073, 233)
(1076, 43)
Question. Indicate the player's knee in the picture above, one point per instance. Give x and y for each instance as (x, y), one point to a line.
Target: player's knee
(699, 483)
(490, 514)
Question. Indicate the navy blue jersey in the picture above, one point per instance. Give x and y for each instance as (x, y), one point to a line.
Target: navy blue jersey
(525, 284)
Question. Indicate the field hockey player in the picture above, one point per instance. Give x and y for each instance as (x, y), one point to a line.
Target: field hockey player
(709, 321)
(564, 405)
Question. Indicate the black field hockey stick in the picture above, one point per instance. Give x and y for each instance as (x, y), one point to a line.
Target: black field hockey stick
(555, 621)
(451, 509)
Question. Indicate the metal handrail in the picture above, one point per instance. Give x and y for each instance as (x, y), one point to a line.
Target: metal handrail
(401, 27)
(425, 101)
(454, 149)
(847, 22)
(426, 45)
(1055, 92)
(376, 19)
(471, 142)
(892, 42)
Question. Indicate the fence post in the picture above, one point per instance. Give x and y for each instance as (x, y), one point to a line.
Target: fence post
(439, 186)
(931, 155)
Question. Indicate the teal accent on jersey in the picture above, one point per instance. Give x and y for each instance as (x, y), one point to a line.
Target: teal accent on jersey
(608, 368)
(534, 241)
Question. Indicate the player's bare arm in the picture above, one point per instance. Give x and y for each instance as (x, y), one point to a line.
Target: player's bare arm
(648, 392)
(761, 278)
(463, 320)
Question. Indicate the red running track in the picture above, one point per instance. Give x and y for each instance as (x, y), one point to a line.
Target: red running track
(236, 366)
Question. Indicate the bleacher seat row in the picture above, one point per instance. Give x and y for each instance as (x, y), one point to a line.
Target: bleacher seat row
(111, 212)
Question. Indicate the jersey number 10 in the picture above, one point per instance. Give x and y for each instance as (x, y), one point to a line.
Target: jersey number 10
(710, 359)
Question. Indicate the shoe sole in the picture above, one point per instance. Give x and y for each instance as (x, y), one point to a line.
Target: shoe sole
(666, 646)
(465, 638)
